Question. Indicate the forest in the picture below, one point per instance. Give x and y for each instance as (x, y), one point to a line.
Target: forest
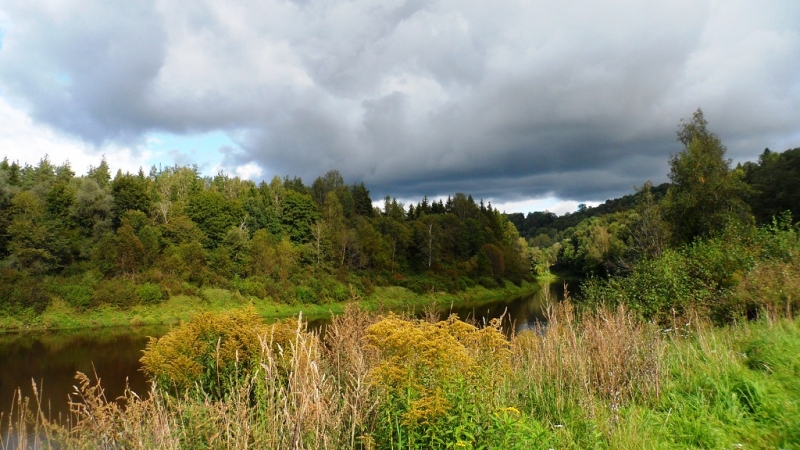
(140, 238)
(685, 334)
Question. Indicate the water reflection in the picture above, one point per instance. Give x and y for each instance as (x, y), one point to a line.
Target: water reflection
(518, 314)
(52, 358)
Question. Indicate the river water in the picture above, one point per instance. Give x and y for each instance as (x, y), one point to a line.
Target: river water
(51, 359)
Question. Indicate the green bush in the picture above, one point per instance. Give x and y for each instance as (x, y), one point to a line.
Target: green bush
(305, 294)
(75, 291)
(340, 293)
(119, 292)
(150, 294)
(22, 291)
(706, 276)
(250, 286)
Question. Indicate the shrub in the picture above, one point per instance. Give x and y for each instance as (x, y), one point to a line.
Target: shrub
(440, 380)
(119, 292)
(22, 291)
(251, 286)
(340, 293)
(75, 291)
(150, 294)
(706, 276)
(305, 294)
(212, 351)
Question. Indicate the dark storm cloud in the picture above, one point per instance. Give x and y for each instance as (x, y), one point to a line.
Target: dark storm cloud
(505, 100)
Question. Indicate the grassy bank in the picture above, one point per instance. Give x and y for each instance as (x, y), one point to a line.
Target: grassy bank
(180, 308)
(601, 380)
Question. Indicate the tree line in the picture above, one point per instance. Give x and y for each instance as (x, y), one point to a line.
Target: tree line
(705, 197)
(136, 237)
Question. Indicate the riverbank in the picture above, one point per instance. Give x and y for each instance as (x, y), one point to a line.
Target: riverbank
(180, 308)
(605, 380)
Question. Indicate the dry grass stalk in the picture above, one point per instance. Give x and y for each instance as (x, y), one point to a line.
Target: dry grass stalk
(30, 428)
(609, 356)
(299, 404)
(350, 363)
(103, 424)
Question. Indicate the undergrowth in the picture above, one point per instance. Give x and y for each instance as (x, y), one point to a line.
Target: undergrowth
(586, 380)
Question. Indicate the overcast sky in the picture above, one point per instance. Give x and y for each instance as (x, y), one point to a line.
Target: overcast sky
(531, 104)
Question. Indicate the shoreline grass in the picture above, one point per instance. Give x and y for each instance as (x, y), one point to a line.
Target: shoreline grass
(180, 308)
(601, 379)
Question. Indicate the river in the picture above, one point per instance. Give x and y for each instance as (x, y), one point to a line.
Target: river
(51, 359)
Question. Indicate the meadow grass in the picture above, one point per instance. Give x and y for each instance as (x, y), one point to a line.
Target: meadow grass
(180, 308)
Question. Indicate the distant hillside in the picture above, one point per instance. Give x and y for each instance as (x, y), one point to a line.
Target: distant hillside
(545, 222)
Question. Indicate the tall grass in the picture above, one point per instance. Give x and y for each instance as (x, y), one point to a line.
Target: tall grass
(576, 374)
(592, 380)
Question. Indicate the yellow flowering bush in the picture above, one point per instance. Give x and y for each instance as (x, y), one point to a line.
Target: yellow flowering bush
(437, 378)
(212, 350)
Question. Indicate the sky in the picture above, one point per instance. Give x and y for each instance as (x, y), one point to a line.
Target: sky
(532, 105)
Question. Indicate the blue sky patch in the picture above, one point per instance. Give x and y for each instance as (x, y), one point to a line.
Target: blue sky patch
(202, 149)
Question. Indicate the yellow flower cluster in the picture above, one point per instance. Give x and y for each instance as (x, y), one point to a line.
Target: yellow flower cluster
(211, 347)
(422, 363)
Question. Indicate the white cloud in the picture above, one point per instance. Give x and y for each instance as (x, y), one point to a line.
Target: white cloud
(552, 204)
(27, 142)
(573, 99)
(249, 171)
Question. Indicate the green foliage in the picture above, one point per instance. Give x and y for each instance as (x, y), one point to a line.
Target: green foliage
(214, 215)
(130, 193)
(183, 232)
(119, 292)
(299, 214)
(305, 294)
(362, 203)
(150, 294)
(775, 180)
(705, 196)
(91, 210)
(188, 261)
(29, 235)
(22, 291)
(733, 275)
(76, 292)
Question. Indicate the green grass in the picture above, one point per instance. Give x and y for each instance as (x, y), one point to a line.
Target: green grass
(180, 308)
(732, 387)
(737, 385)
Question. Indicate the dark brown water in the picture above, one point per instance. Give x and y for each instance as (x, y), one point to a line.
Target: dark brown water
(51, 359)
(518, 313)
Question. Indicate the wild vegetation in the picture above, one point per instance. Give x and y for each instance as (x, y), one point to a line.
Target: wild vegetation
(587, 380)
(86, 243)
(706, 200)
(685, 335)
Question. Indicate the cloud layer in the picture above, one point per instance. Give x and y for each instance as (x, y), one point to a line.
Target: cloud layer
(507, 100)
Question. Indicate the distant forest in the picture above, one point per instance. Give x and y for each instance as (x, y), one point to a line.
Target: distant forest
(139, 238)
(608, 238)
(135, 238)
